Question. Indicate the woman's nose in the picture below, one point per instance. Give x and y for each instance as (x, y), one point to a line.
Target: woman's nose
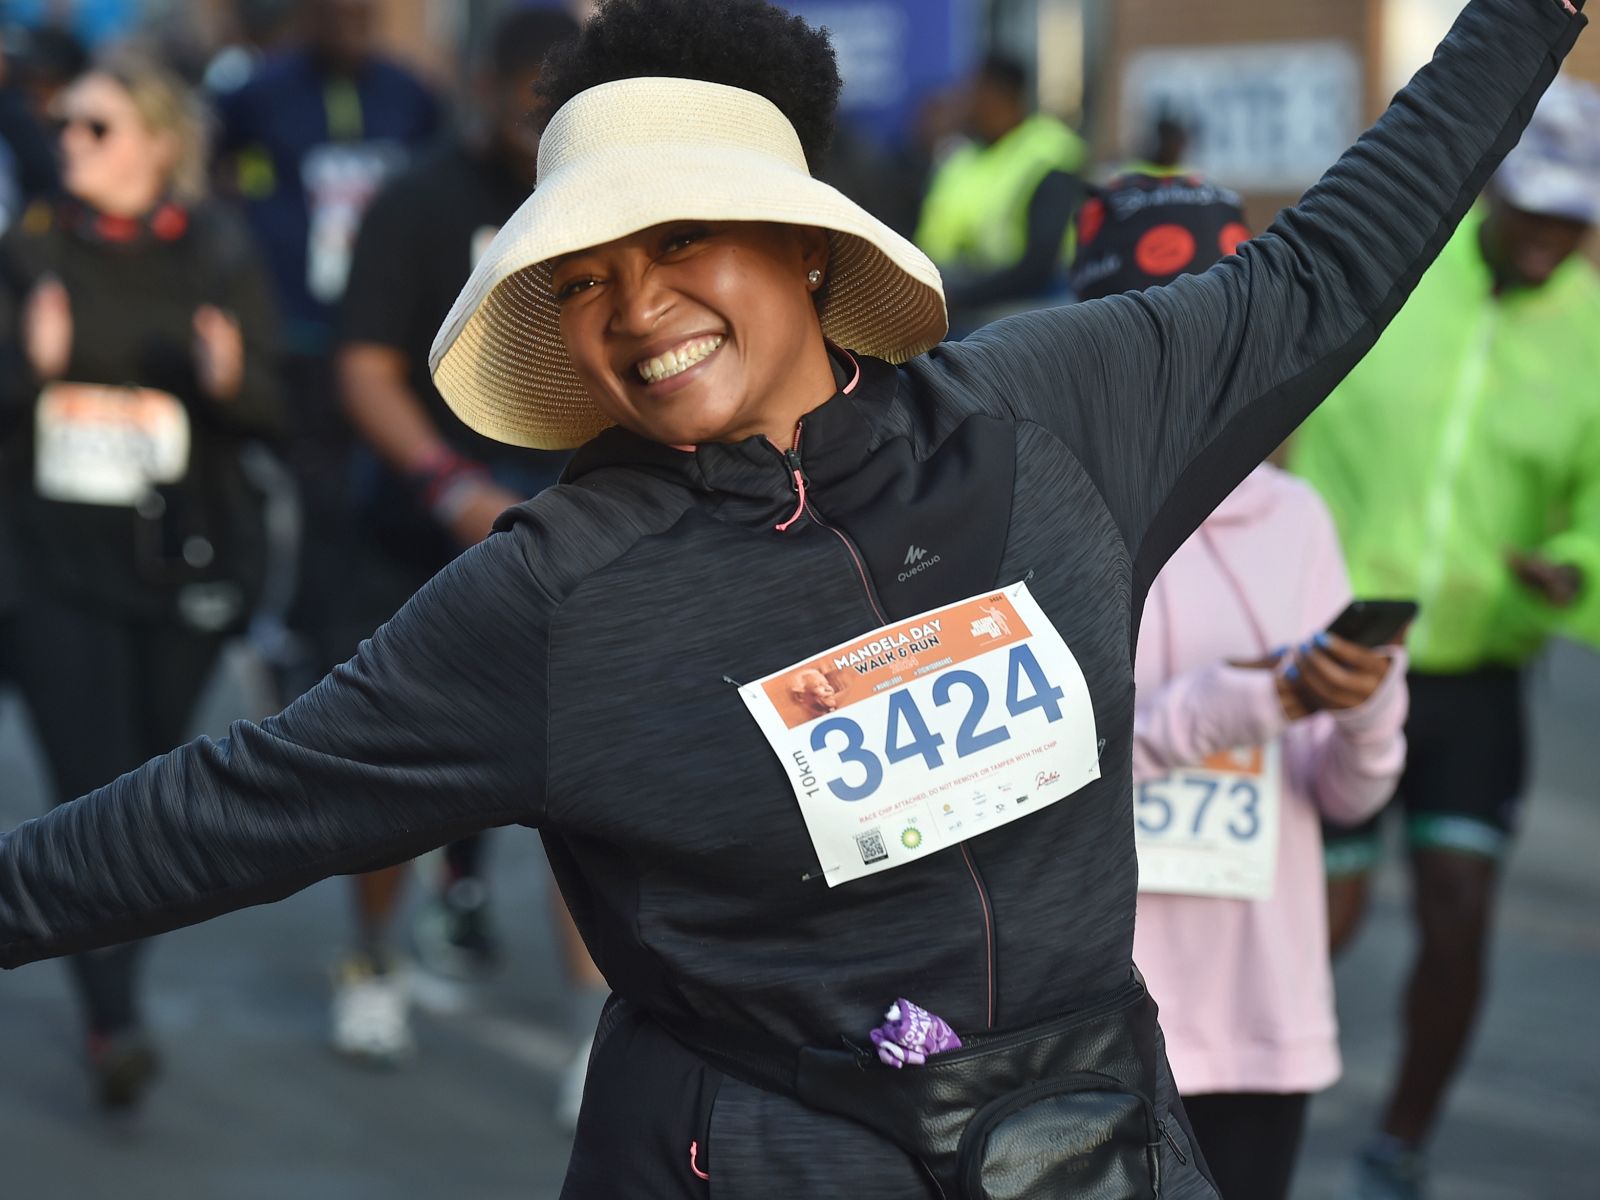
(639, 303)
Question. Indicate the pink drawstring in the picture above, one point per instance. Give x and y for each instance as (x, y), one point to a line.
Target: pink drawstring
(694, 1161)
(854, 379)
(800, 508)
(799, 476)
(1240, 592)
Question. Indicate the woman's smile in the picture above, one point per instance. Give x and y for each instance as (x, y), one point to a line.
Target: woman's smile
(678, 363)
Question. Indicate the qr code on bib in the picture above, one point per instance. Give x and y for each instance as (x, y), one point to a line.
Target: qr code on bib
(871, 846)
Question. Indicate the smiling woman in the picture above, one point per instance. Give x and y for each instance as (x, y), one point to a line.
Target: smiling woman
(701, 332)
(762, 483)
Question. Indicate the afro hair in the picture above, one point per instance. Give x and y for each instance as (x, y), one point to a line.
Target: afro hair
(747, 44)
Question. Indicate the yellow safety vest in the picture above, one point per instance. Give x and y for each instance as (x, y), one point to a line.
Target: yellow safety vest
(975, 215)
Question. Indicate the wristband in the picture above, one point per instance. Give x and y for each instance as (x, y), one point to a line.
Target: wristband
(444, 482)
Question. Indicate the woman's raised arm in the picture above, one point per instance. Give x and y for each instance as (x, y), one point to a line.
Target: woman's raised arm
(433, 731)
(1171, 396)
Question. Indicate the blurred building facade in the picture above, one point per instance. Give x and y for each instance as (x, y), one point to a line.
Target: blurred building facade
(1273, 91)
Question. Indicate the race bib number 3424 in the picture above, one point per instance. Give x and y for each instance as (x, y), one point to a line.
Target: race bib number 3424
(928, 731)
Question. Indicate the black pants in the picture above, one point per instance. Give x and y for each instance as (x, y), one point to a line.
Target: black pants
(1250, 1140)
(106, 695)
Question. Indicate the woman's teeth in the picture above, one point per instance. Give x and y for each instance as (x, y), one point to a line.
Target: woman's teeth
(675, 362)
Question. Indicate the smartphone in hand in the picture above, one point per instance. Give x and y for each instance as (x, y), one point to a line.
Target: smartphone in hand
(1374, 623)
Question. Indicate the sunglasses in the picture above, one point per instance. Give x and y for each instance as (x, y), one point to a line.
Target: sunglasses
(97, 127)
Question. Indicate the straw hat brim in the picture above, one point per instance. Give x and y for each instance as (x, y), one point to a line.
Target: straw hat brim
(499, 360)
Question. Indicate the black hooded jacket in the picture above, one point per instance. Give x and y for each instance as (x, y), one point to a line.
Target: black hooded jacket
(571, 673)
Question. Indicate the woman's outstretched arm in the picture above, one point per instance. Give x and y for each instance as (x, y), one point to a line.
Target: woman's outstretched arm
(1171, 396)
(433, 731)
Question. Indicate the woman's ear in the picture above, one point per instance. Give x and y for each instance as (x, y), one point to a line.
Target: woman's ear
(814, 249)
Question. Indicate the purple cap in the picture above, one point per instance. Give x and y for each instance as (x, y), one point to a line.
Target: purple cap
(1554, 170)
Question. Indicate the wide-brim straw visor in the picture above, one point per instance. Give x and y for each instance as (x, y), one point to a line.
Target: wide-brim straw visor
(630, 155)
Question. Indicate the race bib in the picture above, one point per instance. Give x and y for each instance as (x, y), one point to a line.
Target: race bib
(929, 731)
(107, 445)
(1212, 830)
(341, 179)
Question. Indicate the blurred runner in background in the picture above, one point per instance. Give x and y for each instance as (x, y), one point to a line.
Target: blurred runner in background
(999, 210)
(1246, 730)
(35, 65)
(138, 362)
(1462, 463)
(1166, 147)
(306, 143)
(435, 487)
(257, 28)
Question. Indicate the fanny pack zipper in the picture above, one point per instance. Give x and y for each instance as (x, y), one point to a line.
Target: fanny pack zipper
(1017, 1037)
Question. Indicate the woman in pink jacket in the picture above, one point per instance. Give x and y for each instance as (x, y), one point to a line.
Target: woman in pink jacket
(1250, 727)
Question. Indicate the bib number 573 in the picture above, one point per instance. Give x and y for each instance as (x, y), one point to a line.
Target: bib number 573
(907, 734)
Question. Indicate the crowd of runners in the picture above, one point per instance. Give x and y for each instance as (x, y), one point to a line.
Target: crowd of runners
(1242, 538)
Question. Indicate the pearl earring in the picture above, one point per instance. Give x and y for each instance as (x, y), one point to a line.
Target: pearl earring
(814, 277)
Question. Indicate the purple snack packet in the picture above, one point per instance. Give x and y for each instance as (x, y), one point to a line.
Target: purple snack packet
(910, 1033)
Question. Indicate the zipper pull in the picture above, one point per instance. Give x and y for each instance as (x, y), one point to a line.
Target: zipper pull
(797, 485)
(1166, 1132)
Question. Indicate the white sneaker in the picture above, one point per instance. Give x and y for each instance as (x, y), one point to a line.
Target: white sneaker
(371, 1017)
(569, 1094)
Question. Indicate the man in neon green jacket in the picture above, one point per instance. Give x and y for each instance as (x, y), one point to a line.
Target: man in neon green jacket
(1461, 460)
(998, 213)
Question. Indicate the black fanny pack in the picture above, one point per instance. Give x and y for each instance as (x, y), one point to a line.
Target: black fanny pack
(1062, 1108)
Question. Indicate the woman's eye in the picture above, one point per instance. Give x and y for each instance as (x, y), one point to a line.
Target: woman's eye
(682, 238)
(566, 291)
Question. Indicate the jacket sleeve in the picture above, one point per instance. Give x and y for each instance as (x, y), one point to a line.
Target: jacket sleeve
(1200, 713)
(1351, 760)
(1578, 545)
(435, 730)
(1050, 213)
(18, 275)
(1171, 396)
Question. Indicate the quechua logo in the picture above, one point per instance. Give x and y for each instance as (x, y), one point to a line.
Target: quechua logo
(917, 561)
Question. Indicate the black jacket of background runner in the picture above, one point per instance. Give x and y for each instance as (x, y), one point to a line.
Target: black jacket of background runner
(568, 674)
(133, 309)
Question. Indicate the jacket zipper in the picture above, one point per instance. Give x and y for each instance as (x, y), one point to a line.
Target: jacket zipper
(799, 485)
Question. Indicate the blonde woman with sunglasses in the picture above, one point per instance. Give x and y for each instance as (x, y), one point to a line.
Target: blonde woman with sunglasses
(138, 327)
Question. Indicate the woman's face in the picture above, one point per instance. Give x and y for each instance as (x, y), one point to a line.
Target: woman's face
(111, 159)
(698, 331)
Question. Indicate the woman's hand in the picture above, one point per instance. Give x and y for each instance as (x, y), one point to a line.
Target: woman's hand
(1331, 673)
(1289, 699)
(47, 329)
(218, 352)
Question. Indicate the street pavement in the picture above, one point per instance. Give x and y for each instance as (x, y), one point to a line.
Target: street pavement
(254, 1107)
